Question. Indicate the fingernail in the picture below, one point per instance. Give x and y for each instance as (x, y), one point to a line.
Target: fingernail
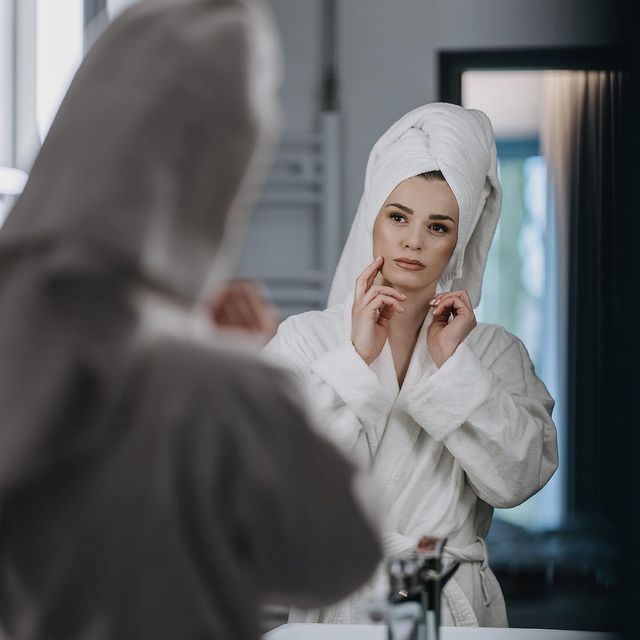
(402, 294)
(432, 300)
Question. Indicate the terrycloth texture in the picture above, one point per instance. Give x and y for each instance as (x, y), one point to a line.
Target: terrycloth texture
(438, 136)
(146, 472)
(443, 451)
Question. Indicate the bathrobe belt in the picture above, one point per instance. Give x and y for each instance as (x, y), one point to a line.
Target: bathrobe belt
(396, 543)
(474, 552)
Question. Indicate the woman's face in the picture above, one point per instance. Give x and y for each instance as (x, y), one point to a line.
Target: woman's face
(416, 231)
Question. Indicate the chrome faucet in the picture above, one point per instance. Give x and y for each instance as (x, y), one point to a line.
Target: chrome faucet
(416, 580)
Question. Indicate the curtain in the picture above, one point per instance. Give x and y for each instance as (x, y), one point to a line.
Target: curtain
(582, 140)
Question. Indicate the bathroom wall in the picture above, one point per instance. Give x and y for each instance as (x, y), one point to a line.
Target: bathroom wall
(387, 56)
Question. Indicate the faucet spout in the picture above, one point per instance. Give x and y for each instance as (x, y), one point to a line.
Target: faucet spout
(416, 581)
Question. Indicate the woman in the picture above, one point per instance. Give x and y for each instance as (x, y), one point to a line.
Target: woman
(447, 414)
(146, 465)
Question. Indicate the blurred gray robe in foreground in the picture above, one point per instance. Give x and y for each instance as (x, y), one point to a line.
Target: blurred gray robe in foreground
(154, 484)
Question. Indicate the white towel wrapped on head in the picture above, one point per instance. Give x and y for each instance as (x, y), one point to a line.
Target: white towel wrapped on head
(458, 142)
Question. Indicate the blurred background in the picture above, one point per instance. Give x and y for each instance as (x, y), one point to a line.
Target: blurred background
(552, 76)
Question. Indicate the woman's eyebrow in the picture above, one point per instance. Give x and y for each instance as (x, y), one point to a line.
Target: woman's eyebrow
(437, 216)
(401, 206)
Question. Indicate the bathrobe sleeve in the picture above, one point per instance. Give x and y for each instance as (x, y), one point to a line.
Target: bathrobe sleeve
(494, 415)
(345, 396)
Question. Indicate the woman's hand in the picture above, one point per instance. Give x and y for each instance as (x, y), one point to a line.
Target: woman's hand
(373, 308)
(240, 306)
(443, 337)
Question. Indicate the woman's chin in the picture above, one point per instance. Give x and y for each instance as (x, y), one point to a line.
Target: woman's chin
(406, 280)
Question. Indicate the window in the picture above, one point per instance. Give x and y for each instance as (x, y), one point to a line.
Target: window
(59, 47)
(11, 179)
(519, 284)
(41, 46)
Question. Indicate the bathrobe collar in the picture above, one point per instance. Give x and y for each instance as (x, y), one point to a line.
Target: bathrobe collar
(390, 453)
(420, 363)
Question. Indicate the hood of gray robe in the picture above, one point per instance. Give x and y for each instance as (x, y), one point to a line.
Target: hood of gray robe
(144, 181)
(162, 138)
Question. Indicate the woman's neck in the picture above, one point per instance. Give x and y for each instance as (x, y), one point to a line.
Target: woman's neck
(408, 323)
(403, 332)
(406, 326)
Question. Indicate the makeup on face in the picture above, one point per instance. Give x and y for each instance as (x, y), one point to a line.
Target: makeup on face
(409, 264)
(416, 231)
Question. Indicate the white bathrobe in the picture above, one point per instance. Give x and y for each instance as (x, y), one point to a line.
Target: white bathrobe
(444, 450)
(454, 442)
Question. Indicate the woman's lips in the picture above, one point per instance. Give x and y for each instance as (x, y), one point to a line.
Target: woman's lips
(409, 265)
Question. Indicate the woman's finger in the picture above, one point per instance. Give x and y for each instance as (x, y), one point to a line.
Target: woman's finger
(450, 303)
(266, 315)
(221, 317)
(217, 311)
(237, 309)
(366, 278)
(230, 308)
(381, 300)
(245, 310)
(378, 289)
(450, 295)
(464, 294)
(217, 302)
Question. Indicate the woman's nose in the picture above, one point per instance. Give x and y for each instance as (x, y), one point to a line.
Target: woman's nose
(413, 242)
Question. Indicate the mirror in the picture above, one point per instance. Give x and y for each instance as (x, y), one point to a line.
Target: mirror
(387, 61)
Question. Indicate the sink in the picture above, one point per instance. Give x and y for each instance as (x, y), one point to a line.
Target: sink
(301, 631)
(379, 632)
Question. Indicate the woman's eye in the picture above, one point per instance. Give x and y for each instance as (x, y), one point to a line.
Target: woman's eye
(439, 228)
(397, 217)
